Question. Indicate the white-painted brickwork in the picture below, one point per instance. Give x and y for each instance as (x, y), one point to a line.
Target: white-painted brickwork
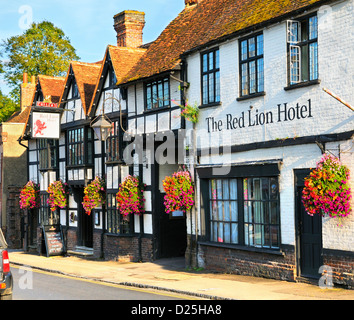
(313, 112)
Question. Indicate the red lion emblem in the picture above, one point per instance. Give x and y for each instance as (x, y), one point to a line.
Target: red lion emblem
(39, 126)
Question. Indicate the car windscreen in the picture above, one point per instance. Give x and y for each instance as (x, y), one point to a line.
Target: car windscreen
(3, 243)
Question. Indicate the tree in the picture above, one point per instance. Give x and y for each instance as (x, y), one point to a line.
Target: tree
(42, 49)
(7, 107)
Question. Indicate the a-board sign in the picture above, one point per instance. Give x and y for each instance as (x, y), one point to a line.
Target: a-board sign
(54, 241)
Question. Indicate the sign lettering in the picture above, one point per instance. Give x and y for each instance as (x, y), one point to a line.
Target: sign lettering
(253, 118)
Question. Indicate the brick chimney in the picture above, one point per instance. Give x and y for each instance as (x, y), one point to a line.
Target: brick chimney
(129, 26)
(189, 3)
(27, 91)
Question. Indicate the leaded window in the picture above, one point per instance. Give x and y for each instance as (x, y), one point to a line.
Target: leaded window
(48, 154)
(251, 65)
(157, 94)
(211, 77)
(302, 50)
(116, 222)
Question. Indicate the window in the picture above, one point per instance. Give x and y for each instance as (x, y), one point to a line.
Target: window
(245, 211)
(75, 92)
(251, 65)
(157, 94)
(48, 154)
(223, 211)
(80, 146)
(261, 212)
(76, 147)
(302, 50)
(115, 144)
(210, 77)
(116, 223)
(47, 217)
(112, 78)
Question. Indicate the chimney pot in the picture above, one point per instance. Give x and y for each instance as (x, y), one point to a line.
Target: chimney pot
(25, 78)
(129, 26)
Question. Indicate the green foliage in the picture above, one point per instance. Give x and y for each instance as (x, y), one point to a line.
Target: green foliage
(42, 49)
(7, 107)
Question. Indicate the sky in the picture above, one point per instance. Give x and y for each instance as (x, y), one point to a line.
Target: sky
(87, 23)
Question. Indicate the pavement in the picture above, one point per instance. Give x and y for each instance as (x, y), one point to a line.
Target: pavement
(171, 275)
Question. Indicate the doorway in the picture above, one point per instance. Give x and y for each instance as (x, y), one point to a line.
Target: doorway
(171, 232)
(85, 221)
(309, 233)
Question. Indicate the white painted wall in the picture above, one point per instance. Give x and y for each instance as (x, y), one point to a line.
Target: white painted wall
(336, 72)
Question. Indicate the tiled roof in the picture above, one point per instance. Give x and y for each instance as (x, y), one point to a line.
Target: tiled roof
(51, 86)
(206, 22)
(20, 116)
(123, 59)
(86, 76)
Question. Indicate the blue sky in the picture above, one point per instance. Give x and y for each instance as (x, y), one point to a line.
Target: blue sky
(88, 23)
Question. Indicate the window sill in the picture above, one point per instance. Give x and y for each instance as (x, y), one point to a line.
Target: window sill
(214, 104)
(155, 110)
(251, 96)
(277, 252)
(302, 84)
(115, 162)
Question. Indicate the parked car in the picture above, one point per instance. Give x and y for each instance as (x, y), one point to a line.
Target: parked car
(6, 282)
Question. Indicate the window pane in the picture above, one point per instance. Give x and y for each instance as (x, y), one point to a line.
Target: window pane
(211, 87)
(217, 86)
(233, 189)
(205, 89)
(294, 64)
(227, 236)
(211, 60)
(251, 47)
(260, 75)
(252, 72)
(313, 61)
(234, 211)
(166, 94)
(274, 188)
(154, 96)
(260, 45)
(217, 59)
(160, 94)
(313, 26)
(205, 62)
(148, 97)
(227, 211)
(244, 79)
(244, 50)
(234, 233)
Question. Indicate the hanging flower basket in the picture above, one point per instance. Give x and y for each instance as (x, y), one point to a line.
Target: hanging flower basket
(58, 195)
(95, 195)
(179, 192)
(189, 112)
(327, 191)
(29, 196)
(130, 197)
